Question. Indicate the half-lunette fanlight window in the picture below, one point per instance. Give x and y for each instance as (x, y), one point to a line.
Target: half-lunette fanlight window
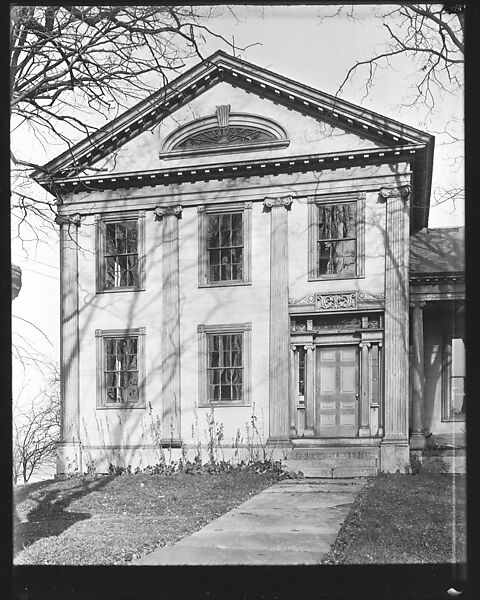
(224, 131)
(224, 136)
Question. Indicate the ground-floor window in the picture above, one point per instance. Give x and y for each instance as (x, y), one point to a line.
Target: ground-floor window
(120, 368)
(224, 364)
(454, 380)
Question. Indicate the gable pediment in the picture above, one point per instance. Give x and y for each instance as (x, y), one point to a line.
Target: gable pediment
(338, 118)
(221, 67)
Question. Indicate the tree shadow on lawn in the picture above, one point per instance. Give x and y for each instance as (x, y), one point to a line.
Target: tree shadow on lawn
(41, 509)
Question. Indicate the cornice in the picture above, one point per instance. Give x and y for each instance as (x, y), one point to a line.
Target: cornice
(234, 169)
(435, 278)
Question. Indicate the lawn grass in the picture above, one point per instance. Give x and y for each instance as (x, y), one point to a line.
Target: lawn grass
(112, 520)
(405, 519)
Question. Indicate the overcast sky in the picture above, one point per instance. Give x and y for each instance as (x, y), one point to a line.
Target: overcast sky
(292, 41)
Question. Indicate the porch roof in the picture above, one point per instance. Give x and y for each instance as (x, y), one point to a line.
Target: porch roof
(437, 251)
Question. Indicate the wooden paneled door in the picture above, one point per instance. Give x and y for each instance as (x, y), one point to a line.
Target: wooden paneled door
(336, 398)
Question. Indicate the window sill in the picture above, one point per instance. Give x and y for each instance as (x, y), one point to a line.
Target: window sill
(215, 404)
(224, 284)
(454, 418)
(121, 289)
(335, 278)
(122, 407)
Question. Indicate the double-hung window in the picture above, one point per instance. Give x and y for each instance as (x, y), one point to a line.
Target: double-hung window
(120, 368)
(336, 232)
(224, 364)
(224, 244)
(120, 252)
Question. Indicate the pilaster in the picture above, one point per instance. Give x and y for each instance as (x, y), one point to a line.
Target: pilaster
(310, 391)
(279, 342)
(417, 439)
(293, 390)
(170, 339)
(364, 429)
(394, 451)
(69, 458)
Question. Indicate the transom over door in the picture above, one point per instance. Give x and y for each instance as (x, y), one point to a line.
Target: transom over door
(336, 398)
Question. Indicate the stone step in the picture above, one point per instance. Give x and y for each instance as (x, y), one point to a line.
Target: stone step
(338, 472)
(333, 454)
(293, 464)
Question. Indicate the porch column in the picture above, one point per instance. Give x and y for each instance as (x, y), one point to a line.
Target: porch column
(170, 340)
(310, 391)
(364, 429)
(279, 320)
(293, 389)
(394, 449)
(69, 457)
(417, 439)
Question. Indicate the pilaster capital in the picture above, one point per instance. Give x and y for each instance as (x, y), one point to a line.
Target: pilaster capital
(75, 219)
(402, 192)
(285, 201)
(417, 303)
(166, 211)
(365, 344)
(309, 346)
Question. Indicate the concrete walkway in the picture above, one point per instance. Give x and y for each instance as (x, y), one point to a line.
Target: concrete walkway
(293, 522)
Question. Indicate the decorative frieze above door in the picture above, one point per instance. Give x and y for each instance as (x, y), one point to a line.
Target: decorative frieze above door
(336, 302)
(336, 322)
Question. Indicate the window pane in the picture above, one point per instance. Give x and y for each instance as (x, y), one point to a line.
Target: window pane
(458, 357)
(237, 392)
(109, 345)
(130, 394)
(110, 379)
(111, 361)
(213, 221)
(112, 396)
(225, 273)
(225, 222)
(214, 376)
(132, 237)
(349, 220)
(121, 238)
(336, 224)
(457, 391)
(214, 257)
(225, 238)
(110, 246)
(237, 272)
(237, 255)
(213, 239)
(324, 262)
(226, 392)
(213, 359)
(237, 221)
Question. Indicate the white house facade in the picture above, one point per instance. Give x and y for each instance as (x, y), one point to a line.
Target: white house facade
(247, 260)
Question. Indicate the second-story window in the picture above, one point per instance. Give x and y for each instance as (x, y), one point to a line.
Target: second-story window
(225, 247)
(337, 239)
(336, 234)
(224, 244)
(120, 252)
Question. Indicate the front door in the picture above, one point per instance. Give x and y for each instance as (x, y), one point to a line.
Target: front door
(336, 397)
